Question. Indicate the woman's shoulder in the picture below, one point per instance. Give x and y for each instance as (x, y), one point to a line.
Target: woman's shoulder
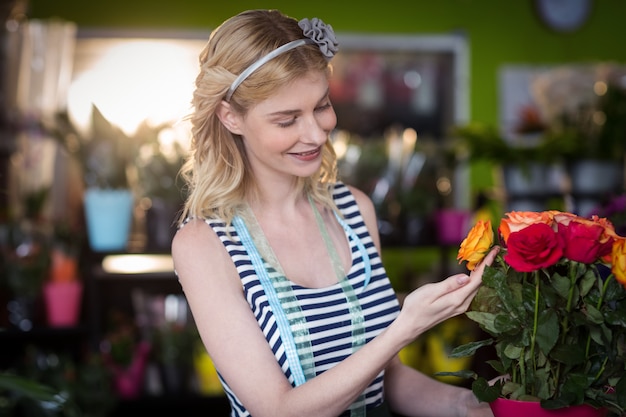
(198, 250)
(363, 201)
(194, 236)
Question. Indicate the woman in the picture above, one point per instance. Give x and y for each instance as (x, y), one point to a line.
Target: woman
(280, 261)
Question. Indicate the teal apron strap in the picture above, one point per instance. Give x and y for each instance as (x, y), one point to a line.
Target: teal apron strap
(292, 326)
(357, 409)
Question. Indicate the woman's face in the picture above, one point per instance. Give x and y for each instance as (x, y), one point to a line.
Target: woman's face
(285, 134)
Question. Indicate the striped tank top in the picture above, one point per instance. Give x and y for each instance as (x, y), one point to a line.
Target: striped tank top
(325, 309)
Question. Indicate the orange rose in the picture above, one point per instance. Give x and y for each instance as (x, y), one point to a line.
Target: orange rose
(618, 261)
(564, 217)
(518, 220)
(476, 245)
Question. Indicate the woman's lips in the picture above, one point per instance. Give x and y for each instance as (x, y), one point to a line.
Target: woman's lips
(308, 155)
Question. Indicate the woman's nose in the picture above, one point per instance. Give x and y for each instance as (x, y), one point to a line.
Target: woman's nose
(319, 127)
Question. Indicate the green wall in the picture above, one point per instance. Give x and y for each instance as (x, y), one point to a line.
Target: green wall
(499, 31)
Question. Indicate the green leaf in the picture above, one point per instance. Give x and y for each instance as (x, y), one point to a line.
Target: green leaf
(28, 388)
(594, 315)
(512, 352)
(564, 400)
(561, 284)
(614, 292)
(574, 388)
(547, 330)
(543, 382)
(497, 366)
(601, 335)
(615, 318)
(504, 323)
(485, 392)
(508, 292)
(485, 320)
(486, 300)
(587, 283)
(469, 349)
(569, 354)
(465, 374)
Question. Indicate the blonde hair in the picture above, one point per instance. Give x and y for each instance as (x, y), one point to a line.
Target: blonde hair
(217, 171)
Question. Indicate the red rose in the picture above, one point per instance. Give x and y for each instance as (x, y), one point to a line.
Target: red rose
(534, 247)
(581, 240)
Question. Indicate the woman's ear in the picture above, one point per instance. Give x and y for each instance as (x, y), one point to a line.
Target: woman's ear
(229, 118)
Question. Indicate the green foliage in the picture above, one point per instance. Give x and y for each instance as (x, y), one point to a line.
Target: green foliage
(559, 336)
(50, 385)
(582, 136)
(158, 165)
(174, 344)
(482, 142)
(19, 394)
(105, 154)
(24, 258)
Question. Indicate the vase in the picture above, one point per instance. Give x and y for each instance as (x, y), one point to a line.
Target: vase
(503, 407)
(108, 214)
(452, 226)
(63, 302)
(128, 380)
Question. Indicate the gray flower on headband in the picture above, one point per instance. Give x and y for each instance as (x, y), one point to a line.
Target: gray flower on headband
(322, 34)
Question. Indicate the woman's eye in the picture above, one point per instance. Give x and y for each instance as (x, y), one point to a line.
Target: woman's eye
(287, 123)
(323, 107)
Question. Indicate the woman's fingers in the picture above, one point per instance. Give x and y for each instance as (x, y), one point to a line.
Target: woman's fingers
(488, 260)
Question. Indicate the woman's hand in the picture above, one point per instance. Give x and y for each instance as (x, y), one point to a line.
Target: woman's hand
(433, 303)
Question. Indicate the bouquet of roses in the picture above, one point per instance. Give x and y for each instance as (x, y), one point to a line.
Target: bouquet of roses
(554, 304)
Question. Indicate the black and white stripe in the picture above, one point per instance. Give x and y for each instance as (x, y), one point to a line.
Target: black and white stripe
(325, 309)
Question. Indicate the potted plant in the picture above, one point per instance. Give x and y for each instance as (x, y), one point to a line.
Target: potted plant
(50, 383)
(174, 345)
(22, 396)
(105, 155)
(63, 290)
(554, 304)
(125, 353)
(24, 260)
(584, 108)
(529, 164)
(160, 156)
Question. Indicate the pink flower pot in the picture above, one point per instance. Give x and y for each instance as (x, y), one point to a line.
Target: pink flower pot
(128, 381)
(63, 301)
(452, 226)
(512, 408)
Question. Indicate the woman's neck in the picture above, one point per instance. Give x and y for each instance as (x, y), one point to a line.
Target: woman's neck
(277, 198)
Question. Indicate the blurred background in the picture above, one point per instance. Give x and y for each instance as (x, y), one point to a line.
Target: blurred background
(449, 112)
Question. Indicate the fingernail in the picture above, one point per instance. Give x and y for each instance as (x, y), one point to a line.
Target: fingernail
(462, 279)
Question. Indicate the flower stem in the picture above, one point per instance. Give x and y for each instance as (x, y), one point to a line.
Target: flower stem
(572, 277)
(603, 289)
(535, 322)
(605, 285)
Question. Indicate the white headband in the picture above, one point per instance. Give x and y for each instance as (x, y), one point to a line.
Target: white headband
(316, 32)
(246, 73)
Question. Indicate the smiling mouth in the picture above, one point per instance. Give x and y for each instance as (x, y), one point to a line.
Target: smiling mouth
(312, 152)
(308, 155)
